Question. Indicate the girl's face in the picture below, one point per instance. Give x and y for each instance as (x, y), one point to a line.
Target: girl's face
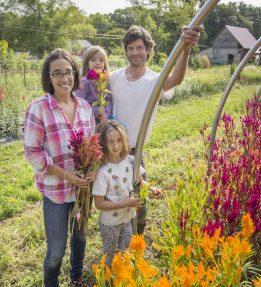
(115, 145)
(97, 62)
(62, 77)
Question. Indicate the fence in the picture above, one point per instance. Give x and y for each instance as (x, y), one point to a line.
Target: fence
(10, 70)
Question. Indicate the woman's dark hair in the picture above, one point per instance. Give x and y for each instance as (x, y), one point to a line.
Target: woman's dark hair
(55, 55)
(136, 32)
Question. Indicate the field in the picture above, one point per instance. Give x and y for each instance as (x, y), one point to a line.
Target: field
(174, 145)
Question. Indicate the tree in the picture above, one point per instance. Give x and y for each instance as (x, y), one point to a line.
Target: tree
(38, 26)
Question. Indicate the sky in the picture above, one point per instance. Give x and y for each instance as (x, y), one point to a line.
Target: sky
(105, 6)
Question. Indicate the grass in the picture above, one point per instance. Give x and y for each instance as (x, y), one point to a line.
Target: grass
(174, 140)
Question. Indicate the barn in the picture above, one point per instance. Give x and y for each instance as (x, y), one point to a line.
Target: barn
(230, 46)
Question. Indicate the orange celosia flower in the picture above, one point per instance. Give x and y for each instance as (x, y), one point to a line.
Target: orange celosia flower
(257, 282)
(189, 251)
(95, 268)
(177, 252)
(138, 244)
(209, 244)
(107, 273)
(248, 226)
(103, 259)
(163, 282)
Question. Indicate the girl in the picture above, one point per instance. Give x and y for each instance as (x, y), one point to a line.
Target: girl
(49, 123)
(95, 58)
(112, 188)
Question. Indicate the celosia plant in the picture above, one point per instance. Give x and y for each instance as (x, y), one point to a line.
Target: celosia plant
(208, 261)
(235, 174)
(86, 154)
(101, 82)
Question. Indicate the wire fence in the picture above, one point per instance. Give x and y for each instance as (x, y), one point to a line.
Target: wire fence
(12, 71)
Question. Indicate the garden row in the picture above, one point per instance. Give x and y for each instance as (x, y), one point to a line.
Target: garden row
(15, 96)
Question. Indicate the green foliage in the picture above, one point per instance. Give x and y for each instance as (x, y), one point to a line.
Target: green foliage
(199, 62)
(16, 181)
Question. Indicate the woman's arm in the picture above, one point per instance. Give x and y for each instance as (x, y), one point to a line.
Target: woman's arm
(34, 132)
(71, 176)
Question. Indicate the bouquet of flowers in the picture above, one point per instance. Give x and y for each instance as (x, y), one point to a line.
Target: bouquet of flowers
(101, 81)
(86, 154)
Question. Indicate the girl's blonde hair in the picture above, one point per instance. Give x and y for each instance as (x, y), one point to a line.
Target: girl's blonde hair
(90, 52)
(103, 129)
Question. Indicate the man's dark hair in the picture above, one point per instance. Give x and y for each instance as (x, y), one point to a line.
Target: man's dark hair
(55, 55)
(136, 32)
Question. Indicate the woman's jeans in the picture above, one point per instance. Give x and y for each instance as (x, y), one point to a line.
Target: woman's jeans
(56, 219)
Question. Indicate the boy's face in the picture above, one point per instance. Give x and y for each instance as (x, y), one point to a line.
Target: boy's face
(137, 53)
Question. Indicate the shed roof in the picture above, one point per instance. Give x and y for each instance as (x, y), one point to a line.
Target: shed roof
(243, 36)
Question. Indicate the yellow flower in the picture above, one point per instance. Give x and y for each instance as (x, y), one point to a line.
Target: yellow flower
(248, 226)
(163, 282)
(138, 244)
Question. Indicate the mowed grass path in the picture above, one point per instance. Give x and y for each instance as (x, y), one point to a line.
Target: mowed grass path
(175, 138)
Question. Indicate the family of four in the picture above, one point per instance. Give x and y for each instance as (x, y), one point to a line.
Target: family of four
(66, 107)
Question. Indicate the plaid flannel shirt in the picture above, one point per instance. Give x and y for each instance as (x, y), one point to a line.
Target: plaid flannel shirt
(46, 138)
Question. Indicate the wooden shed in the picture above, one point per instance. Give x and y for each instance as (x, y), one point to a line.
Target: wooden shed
(230, 46)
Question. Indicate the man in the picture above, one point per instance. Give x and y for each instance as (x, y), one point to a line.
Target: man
(132, 86)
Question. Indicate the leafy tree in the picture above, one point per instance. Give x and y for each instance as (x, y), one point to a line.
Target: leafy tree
(38, 26)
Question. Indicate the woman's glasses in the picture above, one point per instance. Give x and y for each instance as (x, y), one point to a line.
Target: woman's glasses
(60, 75)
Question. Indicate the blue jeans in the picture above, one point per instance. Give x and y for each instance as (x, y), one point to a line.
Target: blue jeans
(56, 219)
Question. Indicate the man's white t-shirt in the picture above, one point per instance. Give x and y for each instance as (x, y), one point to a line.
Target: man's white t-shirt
(114, 181)
(130, 100)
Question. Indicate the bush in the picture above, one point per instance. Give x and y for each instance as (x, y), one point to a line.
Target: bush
(199, 62)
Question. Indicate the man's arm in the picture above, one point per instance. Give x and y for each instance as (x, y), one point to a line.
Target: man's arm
(191, 37)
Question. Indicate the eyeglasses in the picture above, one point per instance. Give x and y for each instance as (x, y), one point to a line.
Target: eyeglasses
(59, 75)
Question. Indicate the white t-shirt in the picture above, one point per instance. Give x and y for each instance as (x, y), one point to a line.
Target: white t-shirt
(130, 100)
(115, 182)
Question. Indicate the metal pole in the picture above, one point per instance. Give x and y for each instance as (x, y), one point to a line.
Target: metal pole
(198, 19)
(226, 93)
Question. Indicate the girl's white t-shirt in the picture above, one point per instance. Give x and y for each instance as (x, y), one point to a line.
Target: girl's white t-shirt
(130, 100)
(114, 181)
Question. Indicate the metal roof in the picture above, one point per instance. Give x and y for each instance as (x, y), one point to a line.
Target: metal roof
(243, 36)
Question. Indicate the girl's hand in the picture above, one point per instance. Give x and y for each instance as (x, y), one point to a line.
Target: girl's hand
(102, 115)
(132, 202)
(75, 179)
(90, 176)
(155, 192)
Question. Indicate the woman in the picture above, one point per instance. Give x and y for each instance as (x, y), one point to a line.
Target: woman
(50, 121)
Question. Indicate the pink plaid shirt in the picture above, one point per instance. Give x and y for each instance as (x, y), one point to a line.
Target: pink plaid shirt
(46, 139)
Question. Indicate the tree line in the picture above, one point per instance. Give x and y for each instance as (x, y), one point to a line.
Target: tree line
(40, 26)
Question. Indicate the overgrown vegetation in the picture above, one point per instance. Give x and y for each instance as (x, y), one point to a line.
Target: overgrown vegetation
(173, 155)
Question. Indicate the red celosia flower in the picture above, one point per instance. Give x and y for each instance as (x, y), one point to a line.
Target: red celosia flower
(100, 79)
(86, 154)
(92, 75)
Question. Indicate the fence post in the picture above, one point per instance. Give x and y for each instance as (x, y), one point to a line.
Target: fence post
(24, 75)
(5, 74)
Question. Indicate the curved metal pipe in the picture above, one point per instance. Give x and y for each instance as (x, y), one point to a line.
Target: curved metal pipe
(226, 93)
(197, 20)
